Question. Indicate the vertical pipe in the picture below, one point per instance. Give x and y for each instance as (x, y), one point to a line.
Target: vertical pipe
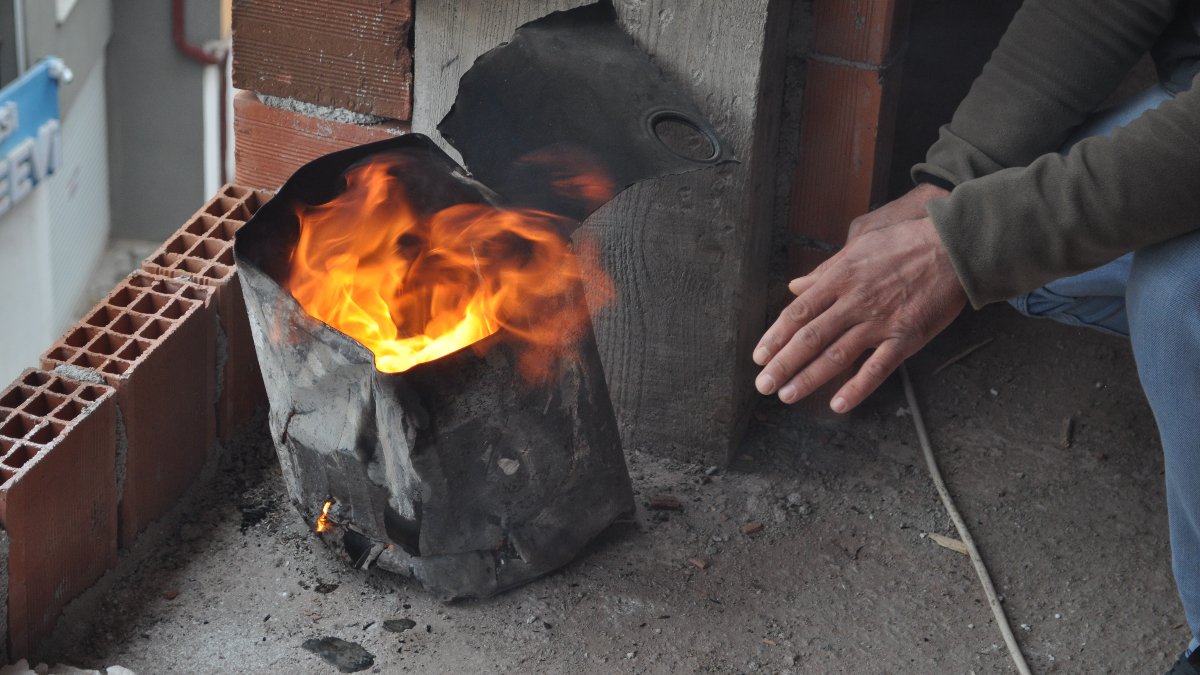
(19, 31)
(214, 125)
(211, 122)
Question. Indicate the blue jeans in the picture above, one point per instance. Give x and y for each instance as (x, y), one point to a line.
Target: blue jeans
(1151, 296)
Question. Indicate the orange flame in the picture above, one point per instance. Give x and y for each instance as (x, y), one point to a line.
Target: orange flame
(413, 287)
(323, 519)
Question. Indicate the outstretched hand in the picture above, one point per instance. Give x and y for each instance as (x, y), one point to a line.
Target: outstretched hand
(890, 289)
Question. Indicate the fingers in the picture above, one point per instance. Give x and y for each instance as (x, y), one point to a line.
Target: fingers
(836, 358)
(805, 344)
(795, 316)
(798, 285)
(886, 359)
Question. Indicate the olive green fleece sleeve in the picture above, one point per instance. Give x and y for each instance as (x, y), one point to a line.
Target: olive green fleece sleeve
(1058, 60)
(1015, 229)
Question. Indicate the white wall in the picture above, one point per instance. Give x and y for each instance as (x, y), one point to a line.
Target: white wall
(50, 241)
(79, 213)
(156, 115)
(26, 328)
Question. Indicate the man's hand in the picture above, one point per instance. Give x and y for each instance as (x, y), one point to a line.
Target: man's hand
(909, 207)
(890, 289)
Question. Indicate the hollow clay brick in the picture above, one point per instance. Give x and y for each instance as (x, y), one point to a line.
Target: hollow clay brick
(202, 252)
(4, 576)
(804, 259)
(153, 340)
(270, 144)
(845, 149)
(58, 497)
(339, 53)
(862, 31)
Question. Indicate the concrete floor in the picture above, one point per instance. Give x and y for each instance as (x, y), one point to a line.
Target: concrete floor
(841, 579)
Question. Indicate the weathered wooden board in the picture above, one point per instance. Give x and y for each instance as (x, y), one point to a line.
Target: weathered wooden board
(688, 253)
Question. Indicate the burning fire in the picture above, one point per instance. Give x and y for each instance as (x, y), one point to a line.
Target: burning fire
(323, 519)
(413, 287)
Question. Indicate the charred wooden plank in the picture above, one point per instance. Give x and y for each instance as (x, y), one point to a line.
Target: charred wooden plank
(688, 253)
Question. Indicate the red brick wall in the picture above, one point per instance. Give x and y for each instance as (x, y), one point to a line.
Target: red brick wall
(848, 121)
(344, 55)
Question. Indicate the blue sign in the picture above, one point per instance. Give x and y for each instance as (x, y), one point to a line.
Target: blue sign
(30, 133)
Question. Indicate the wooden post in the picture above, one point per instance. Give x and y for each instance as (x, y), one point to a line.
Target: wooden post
(688, 253)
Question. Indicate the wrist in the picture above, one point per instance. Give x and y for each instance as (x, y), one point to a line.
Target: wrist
(927, 182)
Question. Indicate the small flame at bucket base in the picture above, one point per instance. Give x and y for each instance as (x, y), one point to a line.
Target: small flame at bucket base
(323, 523)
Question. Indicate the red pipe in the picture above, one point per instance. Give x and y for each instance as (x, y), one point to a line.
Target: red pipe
(179, 36)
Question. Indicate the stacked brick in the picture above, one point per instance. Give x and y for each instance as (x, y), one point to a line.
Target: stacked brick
(201, 252)
(343, 68)
(122, 417)
(850, 92)
(154, 341)
(58, 498)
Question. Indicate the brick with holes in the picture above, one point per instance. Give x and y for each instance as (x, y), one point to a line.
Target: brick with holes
(154, 341)
(202, 252)
(58, 497)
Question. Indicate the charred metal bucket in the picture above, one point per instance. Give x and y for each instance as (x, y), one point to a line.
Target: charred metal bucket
(456, 472)
(460, 472)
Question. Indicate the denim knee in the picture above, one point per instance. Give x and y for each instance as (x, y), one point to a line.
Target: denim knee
(1163, 298)
(1164, 320)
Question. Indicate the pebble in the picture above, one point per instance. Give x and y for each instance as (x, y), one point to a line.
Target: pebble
(398, 625)
(346, 656)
